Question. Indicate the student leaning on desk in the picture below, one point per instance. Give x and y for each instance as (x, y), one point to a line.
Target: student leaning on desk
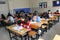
(35, 18)
(24, 24)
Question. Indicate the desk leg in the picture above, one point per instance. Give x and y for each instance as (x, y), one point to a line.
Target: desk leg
(10, 35)
(21, 38)
(58, 18)
(28, 38)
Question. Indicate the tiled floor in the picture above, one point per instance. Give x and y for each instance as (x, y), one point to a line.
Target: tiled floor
(49, 35)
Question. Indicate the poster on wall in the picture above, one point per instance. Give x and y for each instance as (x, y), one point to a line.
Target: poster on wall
(56, 3)
(43, 5)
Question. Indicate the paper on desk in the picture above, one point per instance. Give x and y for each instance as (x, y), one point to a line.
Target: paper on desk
(42, 18)
(18, 27)
(32, 22)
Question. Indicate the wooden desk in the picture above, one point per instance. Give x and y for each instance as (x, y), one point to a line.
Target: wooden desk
(57, 37)
(20, 32)
(32, 33)
(44, 21)
(37, 25)
(56, 14)
(34, 26)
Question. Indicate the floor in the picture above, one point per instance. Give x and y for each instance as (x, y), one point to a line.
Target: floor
(49, 35)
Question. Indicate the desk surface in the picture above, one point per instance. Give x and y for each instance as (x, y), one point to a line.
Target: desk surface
(20, 32)
(37, 25)
(57, 37)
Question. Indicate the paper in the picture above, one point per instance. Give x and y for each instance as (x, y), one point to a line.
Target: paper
(18, 27)
(32, 22)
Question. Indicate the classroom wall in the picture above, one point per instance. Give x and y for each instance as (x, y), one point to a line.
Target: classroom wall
(17, 4)
(3, 8)
(35, 6)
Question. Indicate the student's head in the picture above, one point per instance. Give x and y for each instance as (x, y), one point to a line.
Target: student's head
(34, 14)
(9, 15)
(49, 11)
(2, 14)
(19, 22)
(26, 20)
(57, 10)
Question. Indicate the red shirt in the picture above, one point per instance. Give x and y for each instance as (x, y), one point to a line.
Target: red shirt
(56, 13)
(26, 25)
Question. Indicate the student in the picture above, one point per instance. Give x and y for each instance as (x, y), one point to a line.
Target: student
(57, 12)
(9, 15)
(35, 18)
(45, 15)
(10, 19)
(30, 15)
(2, 22)
(17, 17)
(19, 22)
(50, 13)
(26, 23)
(2, 16)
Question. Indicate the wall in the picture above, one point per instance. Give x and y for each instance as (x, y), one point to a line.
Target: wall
(3, 8)
(35, 6)
(15, 4)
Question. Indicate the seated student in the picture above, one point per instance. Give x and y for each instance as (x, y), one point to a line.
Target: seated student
(17, 17)
(30, 15)
(10, 19)
(19, 23)
(9, 14)
(3, 17)
(45, 15)
(26, 23)
(50, 13)
(35, 18)
(2, 22)
(57, 12)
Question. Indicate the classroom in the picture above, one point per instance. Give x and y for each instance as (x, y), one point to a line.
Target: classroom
(29, 19)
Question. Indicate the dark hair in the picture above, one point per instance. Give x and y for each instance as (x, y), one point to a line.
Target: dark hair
(18, 16)
(26, 20)
(2, 16)
(34, 14)
(57, 10)
(19, 22)
(49, 10)
(9, 15)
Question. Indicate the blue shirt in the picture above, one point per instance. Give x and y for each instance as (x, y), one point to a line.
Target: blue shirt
(37, 19)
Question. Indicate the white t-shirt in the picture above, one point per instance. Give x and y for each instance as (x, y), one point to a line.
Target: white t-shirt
(11, 19)
(50, 15)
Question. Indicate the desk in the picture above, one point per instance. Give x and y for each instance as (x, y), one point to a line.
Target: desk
(57, 37)
(34, 26)
(37, 25)
(16, 32)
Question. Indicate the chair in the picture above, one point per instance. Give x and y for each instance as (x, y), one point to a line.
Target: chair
(32, 35)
